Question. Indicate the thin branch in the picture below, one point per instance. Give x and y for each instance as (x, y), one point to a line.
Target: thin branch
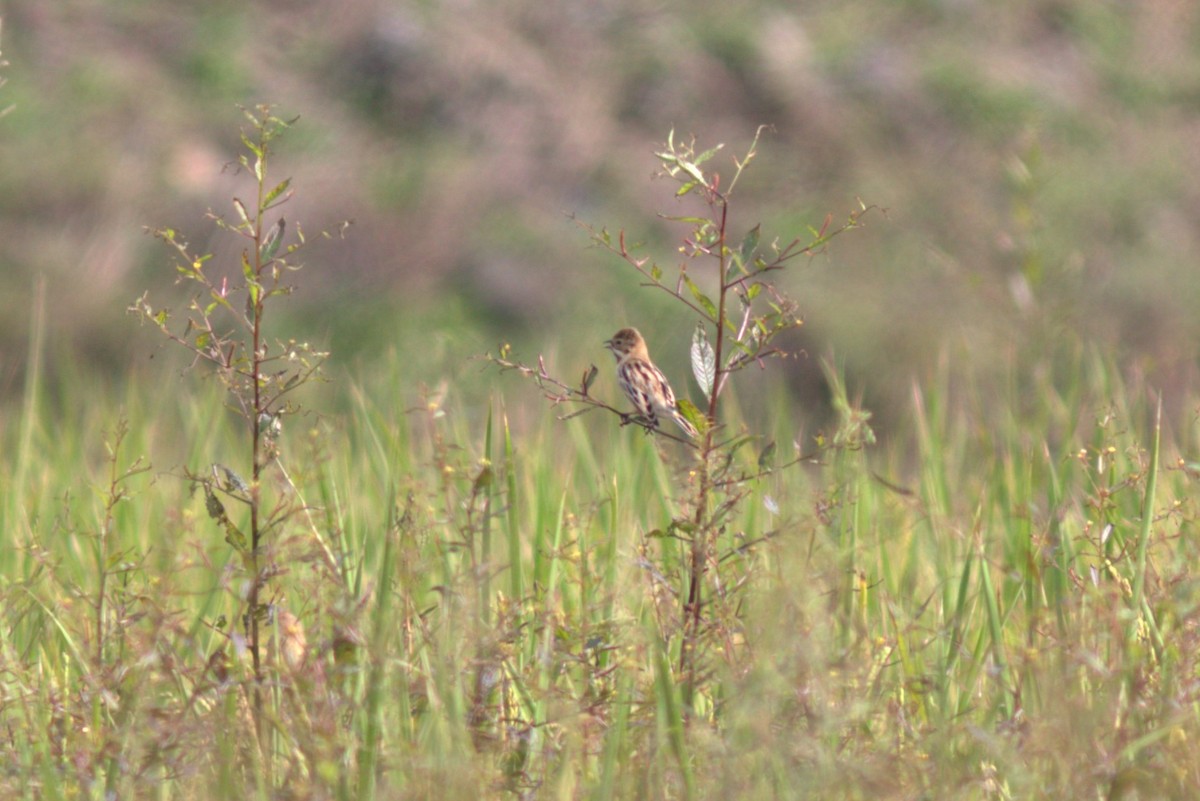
(560, 392)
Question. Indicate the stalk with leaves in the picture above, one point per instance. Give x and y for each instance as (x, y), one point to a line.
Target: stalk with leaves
(224, 327)
(738, 322)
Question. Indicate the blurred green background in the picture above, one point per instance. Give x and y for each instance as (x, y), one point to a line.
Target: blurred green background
(1037, 159)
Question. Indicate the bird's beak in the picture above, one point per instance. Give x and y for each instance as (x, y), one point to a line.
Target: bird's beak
(608, 344)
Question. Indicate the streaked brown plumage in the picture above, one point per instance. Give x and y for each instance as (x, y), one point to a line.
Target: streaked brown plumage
(643, 383)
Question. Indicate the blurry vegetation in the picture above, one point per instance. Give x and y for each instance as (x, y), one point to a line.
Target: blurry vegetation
(455, 607)
(459, 141)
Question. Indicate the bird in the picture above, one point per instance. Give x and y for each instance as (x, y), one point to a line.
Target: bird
(643, 383)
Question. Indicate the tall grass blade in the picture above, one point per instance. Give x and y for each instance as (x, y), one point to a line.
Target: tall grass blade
(516, 580)
(29, 406)
(485, 530)
(368, 752)
(670, 715)
(1143, 543)
(996, 633)
(1143, 615)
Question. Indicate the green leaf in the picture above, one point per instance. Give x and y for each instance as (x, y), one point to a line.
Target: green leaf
(270, 245)
(766, 456)
(217, 300)
(276, 192)
(683, 190)
(692, 414)
(752, 291)
(233, 480)
(701, 298)
(741, 345)
(241, 210)
(708, 154)
(216, 510)
(692, 170)
(235, 537)
(588, 378)
(748, 246)
(681, 524)
(482, 481)
(704, 361)
(740, 442)
(253, 148)
(655, 273)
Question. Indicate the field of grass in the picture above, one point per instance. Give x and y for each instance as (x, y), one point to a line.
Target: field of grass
(979, 612)
(994, 602)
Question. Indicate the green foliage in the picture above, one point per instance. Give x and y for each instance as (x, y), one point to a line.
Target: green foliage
(469, 600)
(957, 611)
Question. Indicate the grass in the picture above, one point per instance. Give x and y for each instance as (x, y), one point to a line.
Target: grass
(986, 607)
(441, 598)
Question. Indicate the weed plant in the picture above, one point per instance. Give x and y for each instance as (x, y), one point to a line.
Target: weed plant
(705, 573)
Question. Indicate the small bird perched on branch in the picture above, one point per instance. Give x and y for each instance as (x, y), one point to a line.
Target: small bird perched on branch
(643, 383)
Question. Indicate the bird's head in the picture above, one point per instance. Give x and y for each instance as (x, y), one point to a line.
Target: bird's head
(626, 342)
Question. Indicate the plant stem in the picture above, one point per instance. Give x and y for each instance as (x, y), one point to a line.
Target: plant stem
(700, 522)
(256, 360)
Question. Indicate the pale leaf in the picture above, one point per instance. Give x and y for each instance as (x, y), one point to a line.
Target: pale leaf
(704, 361)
